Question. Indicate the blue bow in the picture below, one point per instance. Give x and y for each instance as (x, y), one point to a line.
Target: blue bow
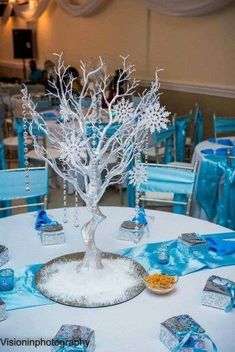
(223, 141)
(186, 336)
(141, 218)
(43, 219)
(219, 151)
(231, 288)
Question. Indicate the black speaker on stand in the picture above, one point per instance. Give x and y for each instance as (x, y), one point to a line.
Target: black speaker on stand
(23, 46)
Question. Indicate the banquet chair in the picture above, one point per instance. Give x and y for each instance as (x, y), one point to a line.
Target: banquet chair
(163, 150)
(136, 100)
(196, 131)
(230, 157)
(183, 125)
(170, 179)
(223, 125)
(13, 188)
(2, 119)
(2, 156)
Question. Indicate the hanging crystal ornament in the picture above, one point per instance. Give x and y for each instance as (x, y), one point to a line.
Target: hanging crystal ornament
(65, 218)
(25, 138)
(146, 149)
(76, 217)
(137, 193)
(93, 170)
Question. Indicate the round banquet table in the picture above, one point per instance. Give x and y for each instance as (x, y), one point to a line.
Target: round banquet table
(129, 327)
(197, 211)
(198, 155)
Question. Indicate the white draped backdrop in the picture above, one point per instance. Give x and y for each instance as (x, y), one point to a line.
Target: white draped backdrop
(166, 7)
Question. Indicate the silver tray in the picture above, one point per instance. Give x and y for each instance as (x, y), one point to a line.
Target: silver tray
(135, 271)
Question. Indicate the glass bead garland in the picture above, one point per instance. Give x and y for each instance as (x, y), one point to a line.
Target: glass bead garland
(25, 135)
(65, 219)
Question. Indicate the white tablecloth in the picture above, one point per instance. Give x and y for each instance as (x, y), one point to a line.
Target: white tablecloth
(198, 155)
(129, 327)
(197, 211)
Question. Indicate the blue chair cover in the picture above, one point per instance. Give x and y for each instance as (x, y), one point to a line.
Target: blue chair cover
(43, 104)
(2, 156)
(182, 124)
(86, 102)
(211, 170)
(224, 124)
(172, 180)
(223, 141)
(198, 120)
(214, 173)
(167, 137)
(226, 206)
(136, 100)
(164, 179)
(14, 185)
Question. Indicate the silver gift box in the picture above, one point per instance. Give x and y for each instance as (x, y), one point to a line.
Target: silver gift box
(3, 312)
(52, 234)
(76, 337)
(216, 292)
(128, 231)
(4, 256)
(188, 243)
(170, 329)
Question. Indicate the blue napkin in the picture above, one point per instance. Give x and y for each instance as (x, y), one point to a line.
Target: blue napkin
(49, 115)
(219, 151)
(43, 219)
(141, 218)
(220, 246)
(223, 141)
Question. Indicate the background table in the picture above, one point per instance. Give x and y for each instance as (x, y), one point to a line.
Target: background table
(129, 327)
(197, 211)
(198, 155)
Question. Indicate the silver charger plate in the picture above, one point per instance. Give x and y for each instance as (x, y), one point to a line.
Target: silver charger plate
(79, 296)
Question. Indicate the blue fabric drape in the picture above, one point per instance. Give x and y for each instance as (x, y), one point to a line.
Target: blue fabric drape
(198, 120)
(223, 141)
(211, 171)
(2, 156)
(216, 190)
(181, 125)
(25, 293)
(226, 205)
(167, 138)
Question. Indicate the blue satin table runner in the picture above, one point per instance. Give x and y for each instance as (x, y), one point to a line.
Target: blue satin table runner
(25, 293)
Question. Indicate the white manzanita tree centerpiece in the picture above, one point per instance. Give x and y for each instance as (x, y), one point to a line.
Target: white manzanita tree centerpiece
(97, 144)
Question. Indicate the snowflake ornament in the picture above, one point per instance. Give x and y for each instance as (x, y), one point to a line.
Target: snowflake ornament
(138, 174)
(155, 117)
(123, 111)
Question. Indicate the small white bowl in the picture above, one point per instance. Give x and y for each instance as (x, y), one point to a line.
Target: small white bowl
(161, 291)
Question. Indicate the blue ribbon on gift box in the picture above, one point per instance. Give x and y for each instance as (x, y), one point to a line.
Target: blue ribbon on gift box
(231, 288)
(43, 219)
(193, 332)
(141, 218)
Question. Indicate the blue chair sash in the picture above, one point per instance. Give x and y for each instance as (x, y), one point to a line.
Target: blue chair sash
(226, 205)
(181, 125)
(163, 179)
(207, 192)
(167, 137)
(223, 125)
(2, 156)
(198, 127)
